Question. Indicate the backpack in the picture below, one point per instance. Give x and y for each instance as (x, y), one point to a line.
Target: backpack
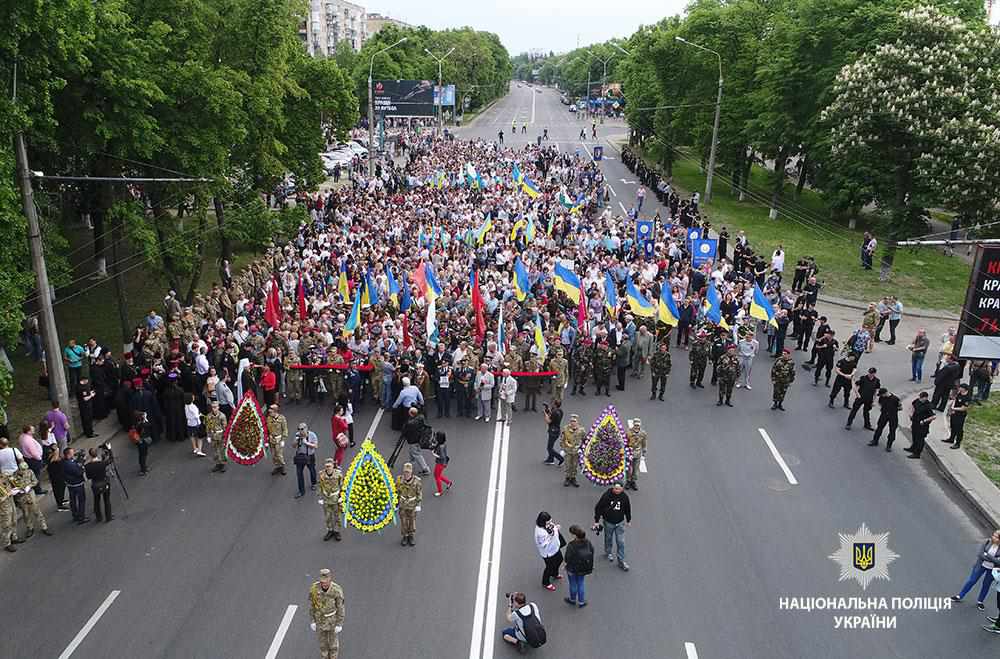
(534, 631)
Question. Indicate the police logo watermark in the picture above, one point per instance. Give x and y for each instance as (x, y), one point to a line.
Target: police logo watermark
(864, 556)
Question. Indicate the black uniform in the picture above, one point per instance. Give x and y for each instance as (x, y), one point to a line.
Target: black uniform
(959, 411)
(807, 320)
(920, 423)
(846, 366)
(868, 386)
(826, 350)
(889, 406)
(97, 474)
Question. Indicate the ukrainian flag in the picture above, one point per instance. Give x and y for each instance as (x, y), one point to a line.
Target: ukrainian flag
(667, 307)
(516, 174)
(404, 295)
(539, 338)
(370, 288)
(530, 231)
(517, 225)
(365, 298)
(610, 295)
(342, 287)
(521, 285)
(530, 188)
(484, 229)
(639, 304)
(567, 281)
(713, 306)
(433, 289)
(393, 286)
(760, 308)
(355, 318)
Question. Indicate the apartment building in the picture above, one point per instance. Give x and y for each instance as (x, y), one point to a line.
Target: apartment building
(377, 21)
(331, 21)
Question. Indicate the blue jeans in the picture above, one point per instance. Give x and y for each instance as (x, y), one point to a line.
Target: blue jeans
(618, 530)
(917, 366)
(576, 587)
(386, 394)
(978, 571)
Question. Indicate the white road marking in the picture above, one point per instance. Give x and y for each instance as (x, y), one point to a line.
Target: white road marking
(777, 456)
(612, 190)
(82, 634)
(375, 421)
(691, 650)
(279, 636)
(624, 210)
(626, 181)
(494, 590)
(476, 647)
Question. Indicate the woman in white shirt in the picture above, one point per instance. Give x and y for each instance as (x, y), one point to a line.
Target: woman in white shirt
(547, 543)
(778, 260)
(192, 416)
(988, 558)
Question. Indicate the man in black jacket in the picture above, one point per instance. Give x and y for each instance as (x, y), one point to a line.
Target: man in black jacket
(74, 480)
(866, 387)
(944, 381)
(889, 406)
(920, 423)
(616, 511)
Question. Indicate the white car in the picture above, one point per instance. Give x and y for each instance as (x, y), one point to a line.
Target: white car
(357, 148)
(572, 108)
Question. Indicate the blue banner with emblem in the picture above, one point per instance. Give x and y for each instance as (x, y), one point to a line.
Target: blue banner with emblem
(703, 250)
(644, 230)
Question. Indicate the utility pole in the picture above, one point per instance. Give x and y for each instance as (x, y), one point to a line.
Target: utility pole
(50, 334)
(371, 110)
(715, 126)
(440, 94)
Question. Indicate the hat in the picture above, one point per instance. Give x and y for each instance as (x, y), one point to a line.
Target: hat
(329, 461)
(324, 573)
(786, 351)
(273, 406)
(574, 417)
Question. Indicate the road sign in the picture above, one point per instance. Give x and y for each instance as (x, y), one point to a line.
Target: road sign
(979, 329)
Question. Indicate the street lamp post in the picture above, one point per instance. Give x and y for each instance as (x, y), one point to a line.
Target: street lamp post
(604, 80)
(715, 127)
(371, 110)
(440, 61)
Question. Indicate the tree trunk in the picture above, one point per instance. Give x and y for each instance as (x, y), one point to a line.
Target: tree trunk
(160, 215)
(225, 244)
(116, 276)
(779, 181)
(200, 249)
(803, 175)
(902, 180)
(745, 179)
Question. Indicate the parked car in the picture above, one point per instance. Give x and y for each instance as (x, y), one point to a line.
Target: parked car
(572, 108)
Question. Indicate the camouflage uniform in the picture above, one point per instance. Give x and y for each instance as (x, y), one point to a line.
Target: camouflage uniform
(375, 377)
(728, 370)
(700, 348)
(330, 486)
(581, 369)
(604, 357)
(659, 366)
(8, 516)
(24, 479)
(782, 376)
(410, 495)
(337, 387)
(558, 364)
(215, 427)
(293, 378)
(277, 432)
(570, 441)
(326, 608)
(637, 440)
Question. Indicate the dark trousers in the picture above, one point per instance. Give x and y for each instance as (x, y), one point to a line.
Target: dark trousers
(805, 335)
(865, 406)
(823, 363)
(621, 378)
(443, 400)
(552, 564)
(892, 422)
(78, 502)
(143, 448)
(683, 332)
(36, 468)
(58, 490)
(919, 437)
(892, 330)
(841, 383)
(87, 418)
(878, 328)
(957, 424)
(101, 490)
(660, 380)
(299, 466)
(462, 406)
(530, 401)
(940, 398)
(553, 455)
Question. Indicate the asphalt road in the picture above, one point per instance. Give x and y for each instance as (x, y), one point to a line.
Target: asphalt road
(208, 565)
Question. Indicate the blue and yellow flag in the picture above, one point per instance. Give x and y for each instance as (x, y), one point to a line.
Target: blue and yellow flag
(405, 300)
(539, 338)
(530, 188)
(484, 229)
(354, 319)
(567, 281)
(529, 233)
(342, 287)
(760, 308)
(370, 288)
(393, 286)
(636, 301)
(667, 308)
(433, 289)
(610, 295)
(520, 224)
(713, 306)
(521, 285)
(516, 174)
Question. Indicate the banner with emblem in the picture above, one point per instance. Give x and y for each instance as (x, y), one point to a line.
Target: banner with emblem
(703, 250)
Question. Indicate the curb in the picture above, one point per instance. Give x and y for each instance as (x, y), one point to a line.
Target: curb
(978, 490)
(481, 112)
(862, 306)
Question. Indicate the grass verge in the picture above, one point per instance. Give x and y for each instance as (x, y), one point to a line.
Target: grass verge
(981, 441)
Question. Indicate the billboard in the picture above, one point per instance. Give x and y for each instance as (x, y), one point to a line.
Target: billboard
(449, 95)
(403, 98)
(979, 330)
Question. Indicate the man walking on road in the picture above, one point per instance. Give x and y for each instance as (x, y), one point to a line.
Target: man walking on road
(866, 387)
(615, 510)
(637, 442)
(889, 407)
(326, 609)
(845, 371)
(331, 480)
(553, 422)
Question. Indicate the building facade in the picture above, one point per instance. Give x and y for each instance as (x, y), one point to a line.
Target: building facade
(331, 21)
(377, 21)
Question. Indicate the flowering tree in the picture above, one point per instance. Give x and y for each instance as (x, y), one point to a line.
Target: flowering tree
(921, 112)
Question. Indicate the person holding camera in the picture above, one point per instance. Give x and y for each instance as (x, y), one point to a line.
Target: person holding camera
(96, 470)
(553, 421)
(527, 630)
(549, 542)
(305, 456)
(417, 433)
(579, 563)
(615, 510)
(74, 475)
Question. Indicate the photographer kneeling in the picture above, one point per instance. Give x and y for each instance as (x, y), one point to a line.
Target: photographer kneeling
(527, 619)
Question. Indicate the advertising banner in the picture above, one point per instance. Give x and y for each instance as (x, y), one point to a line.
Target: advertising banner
(449, 95)
(979, 330)
(404, 98)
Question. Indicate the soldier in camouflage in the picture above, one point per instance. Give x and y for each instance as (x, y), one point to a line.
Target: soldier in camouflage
(637, 439)
(277, 432)
(659, 366)
(410, 493)
(558, 364)
(8, 516)
(570, 440)
(700, 349)
(215, 428)
(293, 378)
(23, 481)
(326, 610)
(728, 370)
(331, 481)
(782, 376)
(581, 367)
(604, 359)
